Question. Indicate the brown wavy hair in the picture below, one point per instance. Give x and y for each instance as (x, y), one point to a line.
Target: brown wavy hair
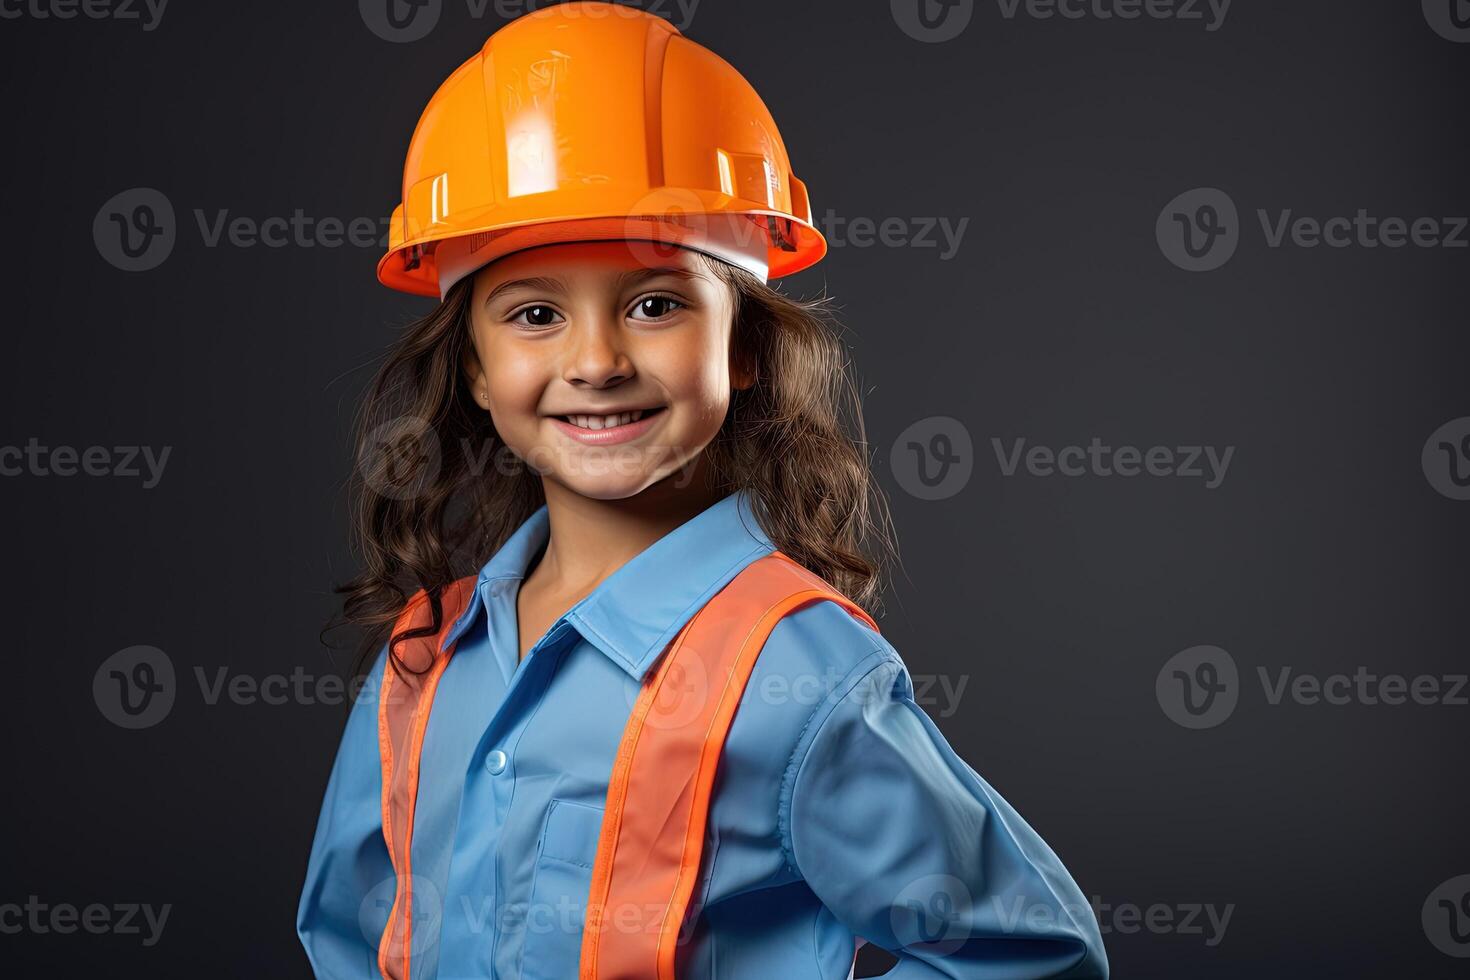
(427, 510)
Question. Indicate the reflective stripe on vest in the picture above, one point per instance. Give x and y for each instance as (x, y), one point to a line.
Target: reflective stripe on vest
(653, 824)
(404, 700)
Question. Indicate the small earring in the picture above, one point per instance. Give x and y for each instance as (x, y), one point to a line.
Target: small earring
(485, 395)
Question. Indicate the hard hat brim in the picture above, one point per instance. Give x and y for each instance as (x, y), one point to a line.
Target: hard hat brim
(676, 216)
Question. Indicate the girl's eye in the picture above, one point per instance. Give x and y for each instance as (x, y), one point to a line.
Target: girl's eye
(535, 316)
(656, 307)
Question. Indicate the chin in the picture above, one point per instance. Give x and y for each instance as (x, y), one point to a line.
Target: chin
(614, 487)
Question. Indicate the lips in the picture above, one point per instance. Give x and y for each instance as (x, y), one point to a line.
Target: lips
(609, 429)
(606, 421)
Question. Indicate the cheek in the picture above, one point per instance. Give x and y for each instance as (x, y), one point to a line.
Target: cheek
(515, 381)
(697, 373)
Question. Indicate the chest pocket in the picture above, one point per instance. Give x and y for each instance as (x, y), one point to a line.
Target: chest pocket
(559, 891)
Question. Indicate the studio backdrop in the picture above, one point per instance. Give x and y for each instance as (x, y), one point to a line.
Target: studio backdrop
(1158, 313)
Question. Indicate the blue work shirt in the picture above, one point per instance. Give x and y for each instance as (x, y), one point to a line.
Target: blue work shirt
(839, 809)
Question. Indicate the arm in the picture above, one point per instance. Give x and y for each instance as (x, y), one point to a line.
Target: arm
(338, 923)
(913, 851)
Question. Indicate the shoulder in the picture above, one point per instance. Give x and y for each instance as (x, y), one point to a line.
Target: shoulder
(822, 644)
(824, 639)
(816, 658)
(813, 649)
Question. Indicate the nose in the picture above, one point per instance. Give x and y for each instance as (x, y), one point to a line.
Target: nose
(597, 357)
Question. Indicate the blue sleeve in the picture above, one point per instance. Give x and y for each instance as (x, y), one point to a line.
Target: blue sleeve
(911, 850)
(349, 878)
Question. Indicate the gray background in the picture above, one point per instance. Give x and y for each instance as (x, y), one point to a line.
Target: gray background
(1324, 549)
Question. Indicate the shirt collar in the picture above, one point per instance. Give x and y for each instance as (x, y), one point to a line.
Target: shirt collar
(639, 608)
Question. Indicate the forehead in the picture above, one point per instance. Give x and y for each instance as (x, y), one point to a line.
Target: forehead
(588, 263)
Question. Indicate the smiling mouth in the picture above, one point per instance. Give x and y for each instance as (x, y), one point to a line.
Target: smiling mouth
(596, 423)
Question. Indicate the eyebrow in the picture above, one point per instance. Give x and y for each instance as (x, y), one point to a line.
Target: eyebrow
(545, 283)
(551, 284)
(638, 275)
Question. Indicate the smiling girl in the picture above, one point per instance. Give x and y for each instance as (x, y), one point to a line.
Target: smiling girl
(629, 715)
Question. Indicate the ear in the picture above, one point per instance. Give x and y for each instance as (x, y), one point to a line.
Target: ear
(474, 374)
(743, 370)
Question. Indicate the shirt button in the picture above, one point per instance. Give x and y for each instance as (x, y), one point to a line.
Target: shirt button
(495, 762)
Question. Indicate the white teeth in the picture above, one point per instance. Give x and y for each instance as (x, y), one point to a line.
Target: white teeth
(605, 421)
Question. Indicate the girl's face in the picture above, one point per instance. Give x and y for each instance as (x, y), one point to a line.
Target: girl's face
(604, 372)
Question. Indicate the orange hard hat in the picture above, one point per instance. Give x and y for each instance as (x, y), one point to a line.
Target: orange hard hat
(593, 121)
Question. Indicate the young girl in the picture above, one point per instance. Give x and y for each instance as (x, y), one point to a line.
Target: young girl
(631, 718)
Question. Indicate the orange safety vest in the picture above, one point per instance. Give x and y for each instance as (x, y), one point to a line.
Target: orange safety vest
(652, 839)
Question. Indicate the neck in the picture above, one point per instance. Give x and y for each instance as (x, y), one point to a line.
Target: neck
(589, 539)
